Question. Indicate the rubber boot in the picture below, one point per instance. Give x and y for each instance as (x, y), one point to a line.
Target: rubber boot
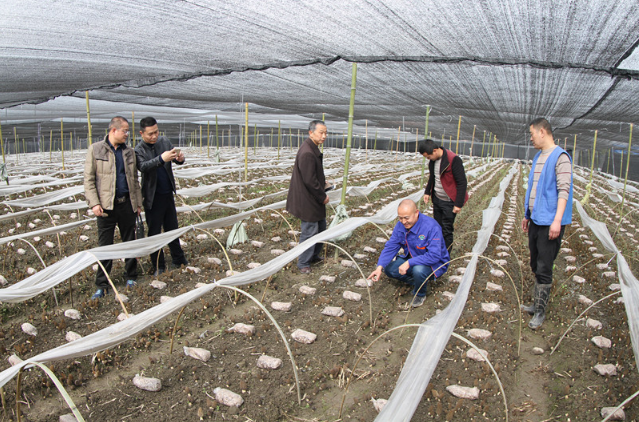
(542, 294)
(530, 308)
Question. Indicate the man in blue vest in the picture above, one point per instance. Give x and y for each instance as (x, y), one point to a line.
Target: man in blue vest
(548, 209)
(424, 252)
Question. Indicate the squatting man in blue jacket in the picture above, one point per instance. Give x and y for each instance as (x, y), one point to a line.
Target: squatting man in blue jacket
(424, 251)
(548, 209)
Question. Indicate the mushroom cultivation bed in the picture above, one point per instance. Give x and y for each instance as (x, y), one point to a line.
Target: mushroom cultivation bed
(224, 341)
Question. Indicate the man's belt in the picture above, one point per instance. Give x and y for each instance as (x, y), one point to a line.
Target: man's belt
(122, 199)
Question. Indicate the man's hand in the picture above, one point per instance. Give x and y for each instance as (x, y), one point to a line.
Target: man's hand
(180, 158)
(139, 211)
(375, 275)
(456, 210)
(426, 198)
(168, 156)
(524, 225)
(97, 210)
(403, 268)
(555, 229)
(326, 200)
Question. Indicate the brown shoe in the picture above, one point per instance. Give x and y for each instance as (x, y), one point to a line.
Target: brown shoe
(305, 270)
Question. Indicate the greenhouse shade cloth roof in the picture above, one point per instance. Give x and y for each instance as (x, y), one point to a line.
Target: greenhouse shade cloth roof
(499, 64)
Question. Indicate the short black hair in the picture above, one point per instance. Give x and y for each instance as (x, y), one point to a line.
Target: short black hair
(147, 122)
(541, 123)
(116, 122)
(311, 126)
(428, 146)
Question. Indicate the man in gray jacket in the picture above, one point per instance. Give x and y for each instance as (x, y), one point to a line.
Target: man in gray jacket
(113, 193)
(154, 157)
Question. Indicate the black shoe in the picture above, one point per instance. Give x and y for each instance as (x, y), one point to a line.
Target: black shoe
(316, 259)
(305, 270)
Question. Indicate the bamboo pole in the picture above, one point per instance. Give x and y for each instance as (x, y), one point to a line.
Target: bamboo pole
(399, 129)
(271, 146)
(350, 133)
(71, 139)
(15, 142)
(482, 145)
(50, 144)
(256, 137)
(458, 131)
(4, 160)
(565, 141)
(574, 147)
(450, 144)
(592, 162)
(208, 139)
(133, 127)
(366, 140)
(90, 139)
(417, 141)
(298, 139)
(290, 138)
(246, 142)
(217, 139)
(200, 139)
(620, 165)
(62, 142)
(421, 180)
(279, 138)
(472, 141)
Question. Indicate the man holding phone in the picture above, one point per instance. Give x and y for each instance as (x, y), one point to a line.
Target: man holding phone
(154, 157)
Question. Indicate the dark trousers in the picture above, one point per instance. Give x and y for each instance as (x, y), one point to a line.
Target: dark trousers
(124, 217)
(543, 251)
(310, 229)
(415, 275)
(162, 214)
(444, 215)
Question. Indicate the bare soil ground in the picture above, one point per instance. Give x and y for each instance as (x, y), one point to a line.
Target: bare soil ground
(561, 386)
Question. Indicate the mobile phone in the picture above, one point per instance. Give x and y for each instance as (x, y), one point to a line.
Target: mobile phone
(177, 150)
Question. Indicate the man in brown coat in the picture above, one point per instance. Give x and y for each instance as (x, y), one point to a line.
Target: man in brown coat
(113, 193)
(307, 197)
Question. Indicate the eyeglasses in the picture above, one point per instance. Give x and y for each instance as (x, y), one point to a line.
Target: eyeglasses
(126, 132)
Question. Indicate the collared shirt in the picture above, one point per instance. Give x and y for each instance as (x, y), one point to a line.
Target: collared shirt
(121, 186)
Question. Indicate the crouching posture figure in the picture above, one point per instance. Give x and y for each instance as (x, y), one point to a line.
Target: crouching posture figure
(424, 254)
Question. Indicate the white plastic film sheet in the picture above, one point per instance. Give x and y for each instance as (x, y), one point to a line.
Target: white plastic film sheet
(121, 331)
(629, 283)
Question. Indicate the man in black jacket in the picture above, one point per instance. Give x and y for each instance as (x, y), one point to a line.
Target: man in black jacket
(154, 157)
(446, 185)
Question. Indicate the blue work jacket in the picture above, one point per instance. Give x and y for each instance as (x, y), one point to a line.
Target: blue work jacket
(423, 244)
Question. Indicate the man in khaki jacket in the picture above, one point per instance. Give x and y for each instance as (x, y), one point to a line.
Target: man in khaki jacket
(113, 193)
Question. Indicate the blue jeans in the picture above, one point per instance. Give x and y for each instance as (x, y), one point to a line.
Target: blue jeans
(310, 229)
(415, 275)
